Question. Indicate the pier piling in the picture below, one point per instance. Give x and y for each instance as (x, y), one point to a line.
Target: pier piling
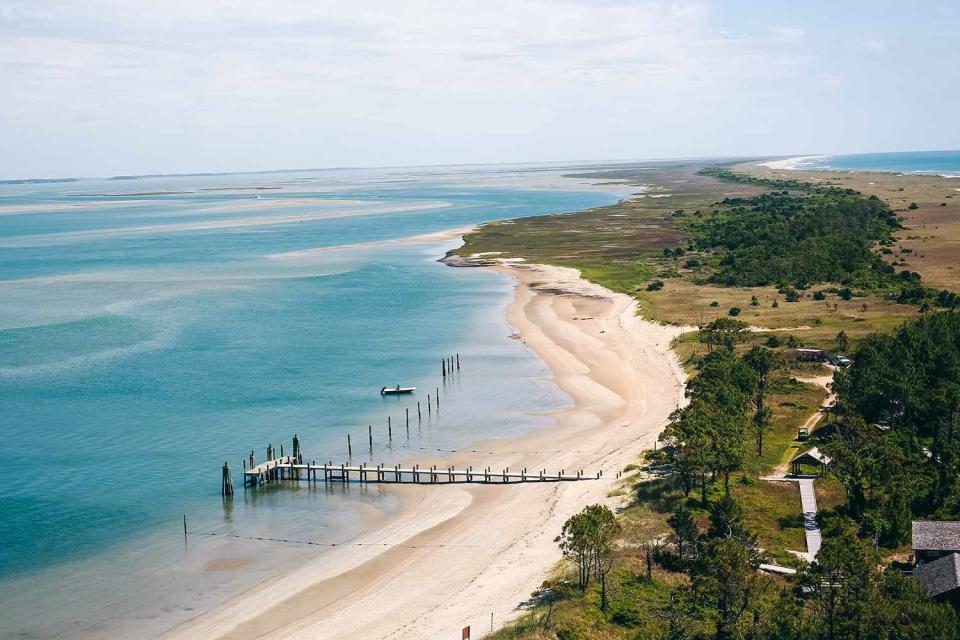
(226, 484)
(349, 446)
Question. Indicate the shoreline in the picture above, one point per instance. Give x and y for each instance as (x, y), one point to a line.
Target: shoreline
(468, 551)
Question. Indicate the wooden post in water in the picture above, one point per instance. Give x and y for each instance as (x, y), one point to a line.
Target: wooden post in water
(389, 432)
(419, 415)
(253, 459)
(349, 447)
(226, 485)
(429, 409)
(370, 436)
(438, 399)
(184, 526)
(407, 410)
(458, 362)
(297, 451)
(443, 366)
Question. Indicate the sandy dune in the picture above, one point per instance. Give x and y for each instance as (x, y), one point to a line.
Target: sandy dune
(457, 554)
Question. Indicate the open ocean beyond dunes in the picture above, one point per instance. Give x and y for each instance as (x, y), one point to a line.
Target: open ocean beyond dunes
(946, 163)
(153, 328)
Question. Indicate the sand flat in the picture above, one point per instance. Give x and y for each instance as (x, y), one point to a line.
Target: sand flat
(457, 554)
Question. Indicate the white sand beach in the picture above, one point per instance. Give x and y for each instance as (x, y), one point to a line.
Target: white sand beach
(457, 554)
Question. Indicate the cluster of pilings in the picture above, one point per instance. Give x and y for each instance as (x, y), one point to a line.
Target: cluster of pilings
(449, 364)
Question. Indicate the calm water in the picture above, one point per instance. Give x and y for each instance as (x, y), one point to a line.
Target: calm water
(151, 329)
(934, 162)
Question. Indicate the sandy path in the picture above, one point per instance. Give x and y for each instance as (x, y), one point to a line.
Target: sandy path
(460, 553)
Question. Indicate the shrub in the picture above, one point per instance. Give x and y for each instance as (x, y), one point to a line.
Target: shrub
(773, 342)
(819, 295)
(714, 304)
(656, 285)
(734, 311)
(846, 293)
(913, 206)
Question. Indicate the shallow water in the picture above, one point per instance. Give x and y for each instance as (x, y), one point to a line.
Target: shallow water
(148, 338)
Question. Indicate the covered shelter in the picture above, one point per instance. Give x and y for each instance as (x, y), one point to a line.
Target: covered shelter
(933, 540)
(941, 578)
(811, 457)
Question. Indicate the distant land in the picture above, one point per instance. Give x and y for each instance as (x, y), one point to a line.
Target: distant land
(39, 180)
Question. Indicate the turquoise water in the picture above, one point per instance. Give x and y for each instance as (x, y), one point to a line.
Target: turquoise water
(153, 328)
(934, 162)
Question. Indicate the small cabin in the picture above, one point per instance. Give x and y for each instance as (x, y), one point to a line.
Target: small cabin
(810, 355)
(941, 578)
(934, 540)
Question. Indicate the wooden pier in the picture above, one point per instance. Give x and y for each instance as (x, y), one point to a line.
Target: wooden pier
(286, 468)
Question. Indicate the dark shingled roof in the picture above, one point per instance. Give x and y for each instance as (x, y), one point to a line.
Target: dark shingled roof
(936, 536)
(939, 576)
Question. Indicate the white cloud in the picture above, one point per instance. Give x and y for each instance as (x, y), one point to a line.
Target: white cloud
(792, 35)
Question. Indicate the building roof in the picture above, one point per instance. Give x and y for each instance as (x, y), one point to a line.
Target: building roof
(812, 456)
(936, 536)
(939, 576)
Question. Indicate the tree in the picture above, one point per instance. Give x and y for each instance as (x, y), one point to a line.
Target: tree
(679, 613)
(723, 333)
(576, 544)
(729, 579)
(765, 364)
(685, 531)
(606, 528)
(589, 539)
(842, 342)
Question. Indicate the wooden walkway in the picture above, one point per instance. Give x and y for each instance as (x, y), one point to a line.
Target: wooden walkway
(808, 506)
(286, 469)
(811, 530)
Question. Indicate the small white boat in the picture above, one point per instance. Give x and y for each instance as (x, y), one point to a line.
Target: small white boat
(389, 391)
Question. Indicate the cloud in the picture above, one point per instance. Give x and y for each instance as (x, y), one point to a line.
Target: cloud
(792, 35)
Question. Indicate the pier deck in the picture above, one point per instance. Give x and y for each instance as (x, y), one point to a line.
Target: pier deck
(286, 469)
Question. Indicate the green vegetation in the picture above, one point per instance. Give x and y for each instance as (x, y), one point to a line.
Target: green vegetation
(897, 448)
(685, 563)
(803, 235)
(810, 263)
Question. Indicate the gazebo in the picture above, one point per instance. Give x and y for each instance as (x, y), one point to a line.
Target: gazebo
(811, 457)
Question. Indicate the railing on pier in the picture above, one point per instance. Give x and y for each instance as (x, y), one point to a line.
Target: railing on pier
(287, 468)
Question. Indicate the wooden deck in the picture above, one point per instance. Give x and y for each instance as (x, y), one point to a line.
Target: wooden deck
(286, 469)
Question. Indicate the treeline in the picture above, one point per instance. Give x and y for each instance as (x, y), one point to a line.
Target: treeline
(707, 438)
(896, 447)
(802, 234)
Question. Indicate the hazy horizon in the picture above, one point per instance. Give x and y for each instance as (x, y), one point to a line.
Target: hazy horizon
(129, 88)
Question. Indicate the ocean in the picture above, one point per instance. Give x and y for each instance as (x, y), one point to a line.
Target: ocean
(945, 163)
(153, 328)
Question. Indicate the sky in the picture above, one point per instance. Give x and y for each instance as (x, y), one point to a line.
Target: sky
(105, 87)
